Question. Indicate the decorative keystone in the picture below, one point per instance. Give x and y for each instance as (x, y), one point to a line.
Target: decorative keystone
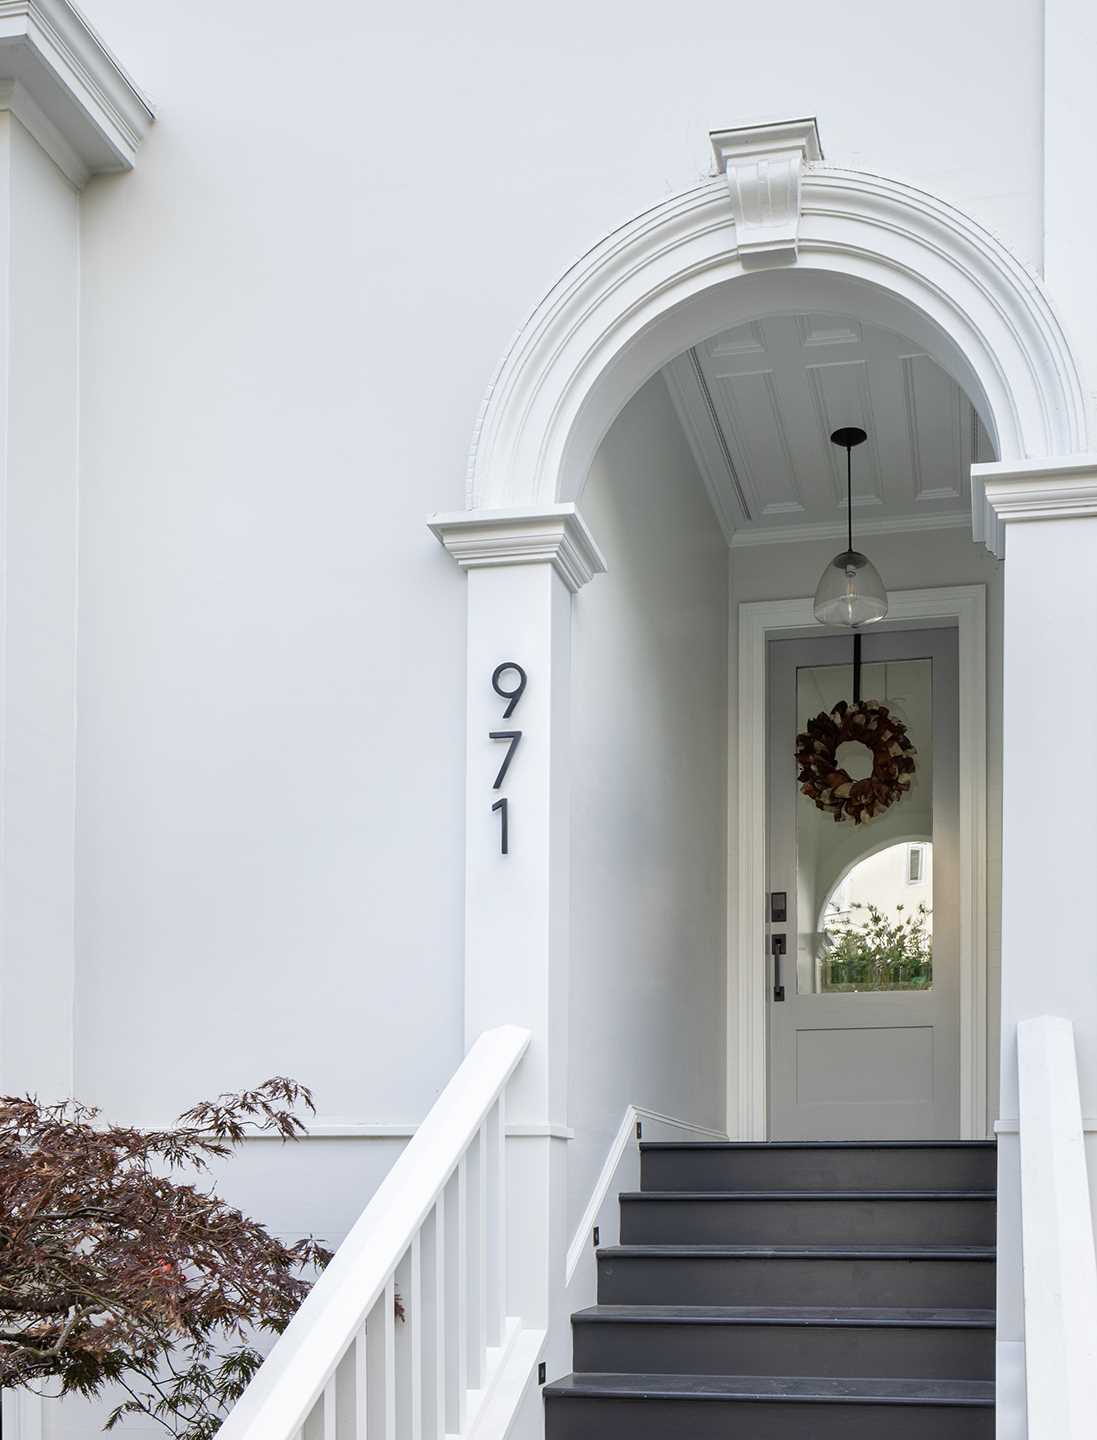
(555, 535)
(763, 165)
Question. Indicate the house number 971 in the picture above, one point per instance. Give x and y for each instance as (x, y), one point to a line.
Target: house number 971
(508, 680)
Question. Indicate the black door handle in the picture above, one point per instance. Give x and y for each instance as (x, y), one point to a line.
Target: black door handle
(777, 949)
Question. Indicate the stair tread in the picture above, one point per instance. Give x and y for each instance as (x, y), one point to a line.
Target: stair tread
(818, 1144)
(786, 1315)
(776, 1388)
(966, 1193)
(840, 1252)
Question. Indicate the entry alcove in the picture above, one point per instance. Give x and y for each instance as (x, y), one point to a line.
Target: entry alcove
(716, 487)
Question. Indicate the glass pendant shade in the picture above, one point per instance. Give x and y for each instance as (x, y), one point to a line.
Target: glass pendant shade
(850, 592)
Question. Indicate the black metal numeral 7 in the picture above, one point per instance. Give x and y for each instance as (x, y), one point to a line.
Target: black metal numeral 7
(514, 736)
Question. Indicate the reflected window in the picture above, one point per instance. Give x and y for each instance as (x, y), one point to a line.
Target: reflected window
(876, 928)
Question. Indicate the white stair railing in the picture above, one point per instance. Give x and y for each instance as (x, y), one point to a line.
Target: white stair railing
(434, 1236)
(1060, 1272)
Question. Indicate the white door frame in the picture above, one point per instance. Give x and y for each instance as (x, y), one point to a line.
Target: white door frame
(758, 623)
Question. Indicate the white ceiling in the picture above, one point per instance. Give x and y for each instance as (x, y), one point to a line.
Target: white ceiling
(758, 404)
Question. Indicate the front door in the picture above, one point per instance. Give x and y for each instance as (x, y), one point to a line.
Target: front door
(864, 1026)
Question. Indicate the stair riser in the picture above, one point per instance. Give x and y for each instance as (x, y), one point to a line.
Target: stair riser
(807, 1222)
(893, 1352)
(612, 1419)
(791, 1280)
(843, 1168)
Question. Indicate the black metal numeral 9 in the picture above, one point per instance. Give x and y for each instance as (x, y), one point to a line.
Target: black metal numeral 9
(513, 695)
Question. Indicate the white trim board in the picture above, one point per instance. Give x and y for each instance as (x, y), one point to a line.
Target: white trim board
(759, 622)
(612, 1176)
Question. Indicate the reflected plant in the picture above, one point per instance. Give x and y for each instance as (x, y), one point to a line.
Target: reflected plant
(878, 953)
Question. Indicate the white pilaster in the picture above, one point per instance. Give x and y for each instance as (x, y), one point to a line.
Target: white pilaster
(67, 111)
(1043, 517)
(523, 567)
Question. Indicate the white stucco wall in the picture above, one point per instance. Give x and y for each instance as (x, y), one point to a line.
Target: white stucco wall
(290, 311)
(648, 969)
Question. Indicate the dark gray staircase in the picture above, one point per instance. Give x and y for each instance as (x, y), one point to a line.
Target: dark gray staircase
(779, 1291)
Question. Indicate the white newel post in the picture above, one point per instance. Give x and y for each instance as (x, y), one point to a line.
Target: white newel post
(523, 568)
(1042, 516)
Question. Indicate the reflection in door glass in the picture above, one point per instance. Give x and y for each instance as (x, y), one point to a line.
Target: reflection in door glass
(866, 891)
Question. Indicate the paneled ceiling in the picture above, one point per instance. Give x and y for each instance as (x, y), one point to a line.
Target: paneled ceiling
(758, 404)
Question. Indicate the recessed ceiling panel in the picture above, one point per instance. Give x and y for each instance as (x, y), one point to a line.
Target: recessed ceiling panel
(771, 392)
(937, 438)
(766, 465)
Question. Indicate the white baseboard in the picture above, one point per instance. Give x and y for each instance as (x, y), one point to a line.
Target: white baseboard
(1011, 1406)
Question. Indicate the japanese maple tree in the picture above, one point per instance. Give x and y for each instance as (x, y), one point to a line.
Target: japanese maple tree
(119, 1265)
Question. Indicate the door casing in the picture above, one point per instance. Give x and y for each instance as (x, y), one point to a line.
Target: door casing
(758, 622)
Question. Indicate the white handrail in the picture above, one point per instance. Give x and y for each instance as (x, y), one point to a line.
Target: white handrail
(435, 1232)
(1060, 1271)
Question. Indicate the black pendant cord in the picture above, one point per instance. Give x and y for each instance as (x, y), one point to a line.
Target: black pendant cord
(849, 533)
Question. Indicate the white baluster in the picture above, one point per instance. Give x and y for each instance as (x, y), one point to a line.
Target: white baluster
(435, 1426)
(456, 1301)
(496, 1225)
(390, 1361)
(381, 1366)
(413, 1306)
(480, 1317)
(361, 1366)
(329, 1409)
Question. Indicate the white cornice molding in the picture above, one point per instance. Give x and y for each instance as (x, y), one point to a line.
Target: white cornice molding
(836, 529)
(555, 535)
(1060, 488)
(763, 165)
(68, 90)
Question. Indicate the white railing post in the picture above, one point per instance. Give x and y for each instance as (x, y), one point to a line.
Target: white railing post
(1059, 1266)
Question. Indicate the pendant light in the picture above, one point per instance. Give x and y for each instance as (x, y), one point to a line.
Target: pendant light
(850, 592)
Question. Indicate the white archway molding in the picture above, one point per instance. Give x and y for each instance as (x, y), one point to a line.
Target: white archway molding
(674, 275)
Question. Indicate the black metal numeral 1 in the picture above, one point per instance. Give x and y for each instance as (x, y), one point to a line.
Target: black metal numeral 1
(514, 736)
(513, 695)
(501, 806)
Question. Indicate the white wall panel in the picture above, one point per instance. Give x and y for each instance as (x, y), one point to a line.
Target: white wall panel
(649, 706)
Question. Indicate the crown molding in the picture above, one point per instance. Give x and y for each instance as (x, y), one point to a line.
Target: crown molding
(763, 166)
(68, 90)
(836, 529)
(1060, 488)
(555, 535)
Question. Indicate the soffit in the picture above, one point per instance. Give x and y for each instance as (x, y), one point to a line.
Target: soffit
(758, 404)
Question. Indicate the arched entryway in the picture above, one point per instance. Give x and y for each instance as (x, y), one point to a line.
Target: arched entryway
(822, 239)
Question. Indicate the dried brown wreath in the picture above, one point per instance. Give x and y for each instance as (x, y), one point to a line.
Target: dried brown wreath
(831, 788)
